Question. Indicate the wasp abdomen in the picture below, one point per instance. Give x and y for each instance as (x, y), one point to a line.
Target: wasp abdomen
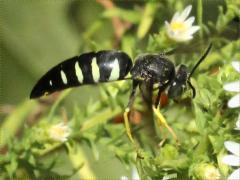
(88, 68)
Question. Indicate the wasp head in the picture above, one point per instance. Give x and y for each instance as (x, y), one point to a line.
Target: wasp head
(178, 85)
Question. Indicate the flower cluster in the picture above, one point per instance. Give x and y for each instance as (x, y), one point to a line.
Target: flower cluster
(233, 147)
(233, 159)
(234, 102)
(59, 132)
(134, 174)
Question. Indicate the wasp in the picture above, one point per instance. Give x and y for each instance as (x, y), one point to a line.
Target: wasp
(155, 70)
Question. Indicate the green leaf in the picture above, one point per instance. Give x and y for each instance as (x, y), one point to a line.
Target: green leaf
(128, 45)
(63, 95)
(12, 166)
(200, 120)
(169, 152)
(147, 19)
(127, 15)
(199, 16)
(78, 159)
(100, 118)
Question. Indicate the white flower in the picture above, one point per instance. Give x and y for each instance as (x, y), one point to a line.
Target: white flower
(170, 176)
(206, 171)
(212, 173)
(180, 28)
(135, 175)
(233, 159)
(59, 132)
(234, 87)
(238, 123)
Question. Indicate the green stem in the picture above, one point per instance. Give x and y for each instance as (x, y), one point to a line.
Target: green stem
(147, 19)
(58, 101)
(203, 145)
(79, 161)
(100, 118)
(199, 17)
(50, 149)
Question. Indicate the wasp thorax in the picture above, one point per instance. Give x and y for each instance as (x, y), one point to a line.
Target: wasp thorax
(154, 68)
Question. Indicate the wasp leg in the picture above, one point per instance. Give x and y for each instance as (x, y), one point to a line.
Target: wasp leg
(146, 90)
(127, 126)
(127, 110)
(160, 90)
(157, 101)
(161, 121)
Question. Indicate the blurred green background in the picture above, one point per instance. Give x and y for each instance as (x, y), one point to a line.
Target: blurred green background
(36, 35)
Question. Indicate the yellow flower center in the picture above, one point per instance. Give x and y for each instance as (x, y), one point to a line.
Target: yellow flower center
(59, 132)
(212, 173)
(178, 26)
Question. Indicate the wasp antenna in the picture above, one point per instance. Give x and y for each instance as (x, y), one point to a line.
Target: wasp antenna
(200, 60)
(193, 89)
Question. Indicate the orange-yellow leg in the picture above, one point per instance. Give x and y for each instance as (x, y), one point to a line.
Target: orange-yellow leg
(161, 121)
(127, 126)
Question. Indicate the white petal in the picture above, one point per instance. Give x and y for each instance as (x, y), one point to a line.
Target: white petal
(238, 129)
(63, 139)
(232, 87)
(189, 32)
(123, 178)
(233, 147)
(193, 29)
(238, 123)
(189, 21)
(170, 176)
(234, 101)
(175, 17)
(185, 12)
(172, 34)
(135, 175)
(182, 38)
(167, 25)
(186, 38)
(235, 175)
(236, 65)
(231, 160)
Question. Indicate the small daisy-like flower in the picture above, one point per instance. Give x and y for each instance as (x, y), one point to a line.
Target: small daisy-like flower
(135, 175)
(233, 159)
(59, 132)
(206, 171)
(234, 102)
(170, 176)
(212, 173)
(180, 28)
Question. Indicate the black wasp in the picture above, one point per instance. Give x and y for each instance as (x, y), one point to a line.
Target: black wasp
(111, 65)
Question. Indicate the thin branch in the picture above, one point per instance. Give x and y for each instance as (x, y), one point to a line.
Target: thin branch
(119, 26)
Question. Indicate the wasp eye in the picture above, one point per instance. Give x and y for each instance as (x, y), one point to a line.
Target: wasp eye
(176, 89)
